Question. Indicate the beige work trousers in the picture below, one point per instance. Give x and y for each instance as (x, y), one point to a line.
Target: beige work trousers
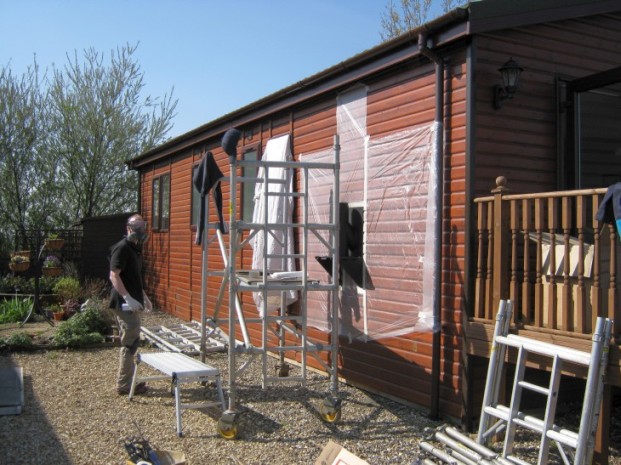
(129, 328)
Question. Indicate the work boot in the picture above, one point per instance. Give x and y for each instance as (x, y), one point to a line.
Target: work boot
(140, 388)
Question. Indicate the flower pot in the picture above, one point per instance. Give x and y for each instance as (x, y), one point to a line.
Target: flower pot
(58, 316)
(52, 270)
(19, 266)
(54, 244)
(21, 253)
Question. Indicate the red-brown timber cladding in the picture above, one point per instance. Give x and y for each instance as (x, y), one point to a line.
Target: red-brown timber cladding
(401, 366)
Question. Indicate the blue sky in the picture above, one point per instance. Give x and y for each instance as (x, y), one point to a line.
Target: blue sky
(217, 55)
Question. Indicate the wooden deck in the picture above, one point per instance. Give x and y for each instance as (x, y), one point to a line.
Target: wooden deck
(548, 253)
(522, 245)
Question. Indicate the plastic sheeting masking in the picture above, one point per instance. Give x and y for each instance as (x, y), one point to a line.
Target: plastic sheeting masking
(399, 246)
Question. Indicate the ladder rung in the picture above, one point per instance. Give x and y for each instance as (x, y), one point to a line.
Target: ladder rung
(283, 348)
(281, 318)
(502, 412)
(547, 349)
(535, 387)
(497, 412)
(517, 460)
(569, 438)
(284, 255)
(285, 194)
(531, 423)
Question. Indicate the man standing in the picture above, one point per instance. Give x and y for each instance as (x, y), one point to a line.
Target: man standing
(128, 298)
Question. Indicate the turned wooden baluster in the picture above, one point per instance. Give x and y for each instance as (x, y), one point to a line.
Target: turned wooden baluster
(582, 322)
(539, 215)
(596, 291)
(489, 277)
(527, 287)
(552, 227)
(612, 290)
(514, 284)
(479, 309)
(566, 309)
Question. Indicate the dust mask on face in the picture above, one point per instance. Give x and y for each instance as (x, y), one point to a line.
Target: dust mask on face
(138, 231)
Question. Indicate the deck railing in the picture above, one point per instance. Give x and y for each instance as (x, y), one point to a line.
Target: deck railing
(549, 254)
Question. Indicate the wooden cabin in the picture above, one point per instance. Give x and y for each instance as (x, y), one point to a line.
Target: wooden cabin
(520, 171)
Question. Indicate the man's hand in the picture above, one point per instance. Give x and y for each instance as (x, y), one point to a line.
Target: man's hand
(133, 304)
(148, 306)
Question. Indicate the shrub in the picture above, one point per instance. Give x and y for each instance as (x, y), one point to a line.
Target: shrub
(67, 288)
(46, 284)
(86, 327)
(14, 310)
(19, 341)
(16, 284)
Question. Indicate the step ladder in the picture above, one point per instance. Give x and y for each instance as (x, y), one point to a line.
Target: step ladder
(575, 447)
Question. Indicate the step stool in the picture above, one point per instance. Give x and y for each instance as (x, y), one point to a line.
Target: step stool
(180, 368)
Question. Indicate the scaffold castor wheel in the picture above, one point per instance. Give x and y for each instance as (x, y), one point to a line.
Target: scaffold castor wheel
(282, 370)
(227, 425)
(330, 410)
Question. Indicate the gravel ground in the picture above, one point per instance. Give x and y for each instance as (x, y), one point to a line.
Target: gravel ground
(73, 415)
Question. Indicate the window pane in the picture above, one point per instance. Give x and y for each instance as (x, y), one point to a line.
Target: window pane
(156, 203)
(196, 200)
(165, 216)
(248, 194)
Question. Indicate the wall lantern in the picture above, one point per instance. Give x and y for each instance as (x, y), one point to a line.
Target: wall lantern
(510, 73)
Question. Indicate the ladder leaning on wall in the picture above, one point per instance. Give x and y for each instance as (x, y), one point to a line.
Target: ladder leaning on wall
(574, 447)
(580, 443)
(281, 331)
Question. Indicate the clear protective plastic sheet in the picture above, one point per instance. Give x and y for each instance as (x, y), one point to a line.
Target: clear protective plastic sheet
(389, 180)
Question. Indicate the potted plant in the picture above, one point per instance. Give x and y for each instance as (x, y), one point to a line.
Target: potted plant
(54, 242)
(57, 312)
(68, 290)
(52, 266)
(19, 263)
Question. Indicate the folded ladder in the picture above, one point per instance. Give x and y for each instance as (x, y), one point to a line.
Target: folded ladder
(180, 369)
(457, 448)
(510, 417)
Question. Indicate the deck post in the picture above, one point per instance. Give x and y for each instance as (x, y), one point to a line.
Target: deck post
(501, 243)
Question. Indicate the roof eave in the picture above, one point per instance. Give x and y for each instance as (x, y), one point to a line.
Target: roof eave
(354, 68)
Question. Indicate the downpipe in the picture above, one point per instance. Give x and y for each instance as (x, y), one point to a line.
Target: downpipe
(439, 159)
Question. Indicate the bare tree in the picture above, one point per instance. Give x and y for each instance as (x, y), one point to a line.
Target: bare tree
(407, 15)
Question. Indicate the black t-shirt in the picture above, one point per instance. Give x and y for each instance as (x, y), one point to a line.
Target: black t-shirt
(127, 257)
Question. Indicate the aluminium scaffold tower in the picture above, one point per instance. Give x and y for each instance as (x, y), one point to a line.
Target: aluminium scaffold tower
(281, 331)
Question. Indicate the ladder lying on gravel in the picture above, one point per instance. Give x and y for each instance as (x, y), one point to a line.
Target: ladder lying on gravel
(460, 449)
(185, 338)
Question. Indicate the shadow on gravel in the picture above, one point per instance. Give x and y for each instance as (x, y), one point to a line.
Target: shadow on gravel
(22, 436)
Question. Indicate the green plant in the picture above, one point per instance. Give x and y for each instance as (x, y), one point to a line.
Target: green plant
(53, 236)
(54, 308)
(14, 310)
(17, 285)
(67, 288)
(6, 284)
(46, 284)
(19, 341)
(51, 261)
(86, 327)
